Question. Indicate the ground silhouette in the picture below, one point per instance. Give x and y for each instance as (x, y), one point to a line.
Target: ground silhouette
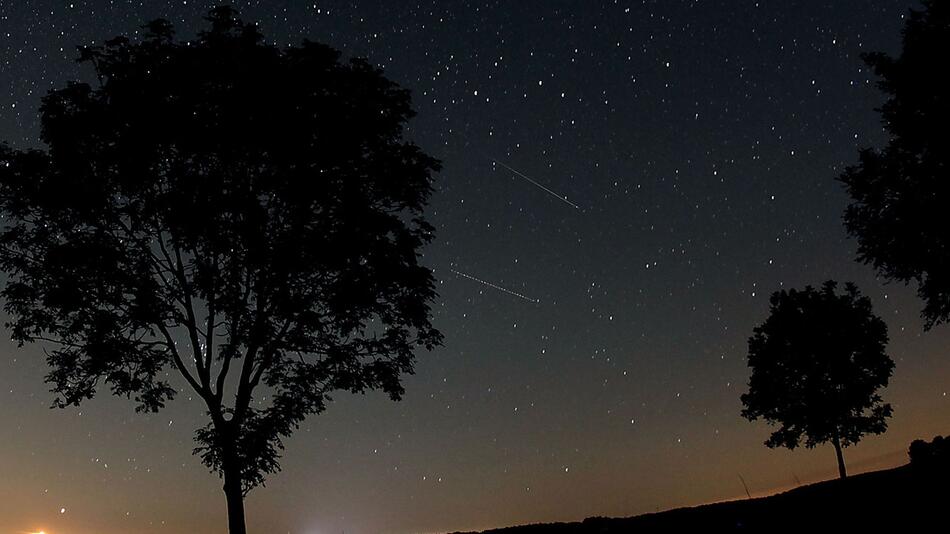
(903, 499)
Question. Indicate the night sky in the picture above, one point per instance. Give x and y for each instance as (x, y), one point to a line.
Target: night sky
(624, 185)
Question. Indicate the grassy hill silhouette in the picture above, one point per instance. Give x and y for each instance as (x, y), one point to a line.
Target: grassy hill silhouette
(914, 496)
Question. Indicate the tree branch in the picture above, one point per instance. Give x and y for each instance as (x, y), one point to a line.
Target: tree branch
(180, 364)
(255, 380)
(191, 324)
(209, 330)
(243, 396)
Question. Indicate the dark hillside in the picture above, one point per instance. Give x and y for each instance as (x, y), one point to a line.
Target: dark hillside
(913, 496)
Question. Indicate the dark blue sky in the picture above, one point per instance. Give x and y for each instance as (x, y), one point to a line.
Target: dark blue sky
(694, 147)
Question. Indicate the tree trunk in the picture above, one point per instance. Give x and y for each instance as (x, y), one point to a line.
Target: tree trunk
(235, 497)
(841, 470)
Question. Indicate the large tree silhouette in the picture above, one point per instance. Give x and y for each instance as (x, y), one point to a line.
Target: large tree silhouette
(900, 193)
(817, 364)
(247, 215)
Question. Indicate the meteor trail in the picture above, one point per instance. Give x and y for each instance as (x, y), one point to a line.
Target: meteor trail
(536, 184)
(493, 286)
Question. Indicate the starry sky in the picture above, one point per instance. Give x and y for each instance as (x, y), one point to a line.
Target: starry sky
(624, 185)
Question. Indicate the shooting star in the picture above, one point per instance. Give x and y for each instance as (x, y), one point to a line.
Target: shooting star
(493, 286)
(536, 184)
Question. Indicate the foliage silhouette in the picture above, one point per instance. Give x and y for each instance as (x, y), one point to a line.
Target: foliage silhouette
(247, 215)
(931, 456)
(900, 193)
(817, 363)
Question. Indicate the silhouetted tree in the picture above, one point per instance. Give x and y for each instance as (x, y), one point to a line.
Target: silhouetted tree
(817, 363)
(900, 193)
(933, 456)
(247, 215)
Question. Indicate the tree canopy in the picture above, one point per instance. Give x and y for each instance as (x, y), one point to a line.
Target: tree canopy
(247, 215)
(817, 364)
(900, 192)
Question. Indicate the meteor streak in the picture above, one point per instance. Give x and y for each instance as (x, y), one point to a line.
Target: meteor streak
(493, 286)
(536, 184)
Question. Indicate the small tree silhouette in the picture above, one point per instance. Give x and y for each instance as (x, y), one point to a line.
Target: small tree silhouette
(817, 363)
(244, 214)
(900, 194)
(932, 457)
